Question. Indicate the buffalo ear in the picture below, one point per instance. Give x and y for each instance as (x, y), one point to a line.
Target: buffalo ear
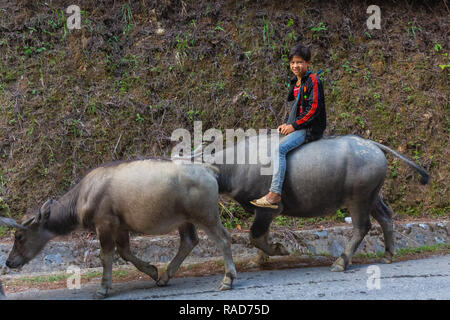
(27, 222)
(46, 206)
(44, 212)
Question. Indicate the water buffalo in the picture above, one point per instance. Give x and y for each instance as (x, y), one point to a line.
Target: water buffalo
(146, 196)
(321, 177)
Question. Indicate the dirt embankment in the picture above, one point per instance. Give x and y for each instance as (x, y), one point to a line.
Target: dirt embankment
(116, 89)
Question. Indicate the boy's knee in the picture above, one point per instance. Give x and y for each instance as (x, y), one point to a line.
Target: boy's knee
(282, 149)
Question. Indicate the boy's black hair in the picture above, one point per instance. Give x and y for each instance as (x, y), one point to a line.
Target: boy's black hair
(301, 51)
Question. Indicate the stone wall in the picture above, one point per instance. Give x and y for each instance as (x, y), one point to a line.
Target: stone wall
(58, 255)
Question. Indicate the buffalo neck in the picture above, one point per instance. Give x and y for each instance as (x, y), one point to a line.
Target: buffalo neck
(225, 178)
(63, 217)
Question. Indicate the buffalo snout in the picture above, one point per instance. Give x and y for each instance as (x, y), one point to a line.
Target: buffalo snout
(14, 262)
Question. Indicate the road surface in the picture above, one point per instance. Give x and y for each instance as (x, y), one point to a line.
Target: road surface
(414, 279)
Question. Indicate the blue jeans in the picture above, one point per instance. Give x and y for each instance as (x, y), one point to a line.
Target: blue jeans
(291, 141)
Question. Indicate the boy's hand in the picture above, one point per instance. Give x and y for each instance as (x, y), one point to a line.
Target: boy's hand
(287, 129)
(281, 127)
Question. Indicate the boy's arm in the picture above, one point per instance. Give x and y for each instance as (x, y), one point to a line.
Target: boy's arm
(310, 109)
(286, 118)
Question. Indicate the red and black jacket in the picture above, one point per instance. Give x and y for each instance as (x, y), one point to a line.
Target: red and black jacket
(308, 112)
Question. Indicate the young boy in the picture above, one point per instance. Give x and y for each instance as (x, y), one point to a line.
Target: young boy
(306, 120)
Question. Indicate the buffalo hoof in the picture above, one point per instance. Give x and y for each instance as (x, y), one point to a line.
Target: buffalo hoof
(226, 284)
(280, 250)
(338, 268)
(101, 294)
(253, 264)
(150, 270)
(261, 259)
(386, 260)
(162, 282)
(2, 294)
(338, 265)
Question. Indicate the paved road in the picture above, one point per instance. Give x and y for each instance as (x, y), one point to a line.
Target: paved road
(415, 279)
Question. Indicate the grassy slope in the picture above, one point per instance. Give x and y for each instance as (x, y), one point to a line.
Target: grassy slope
(116, 89)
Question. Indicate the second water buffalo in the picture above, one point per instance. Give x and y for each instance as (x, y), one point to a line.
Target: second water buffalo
(146, 196)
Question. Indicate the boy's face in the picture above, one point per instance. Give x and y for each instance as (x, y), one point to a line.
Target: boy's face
(299, 66)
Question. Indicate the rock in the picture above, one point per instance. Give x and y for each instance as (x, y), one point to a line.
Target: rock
(336, 249)
(423, 226)
(58, 254)
(439, 240)
(311, 249)
(321, 234)
(420, 239)
(377, 247)
(407, 226)
(53, 259)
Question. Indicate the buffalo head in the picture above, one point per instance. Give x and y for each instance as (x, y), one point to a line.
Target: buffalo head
(30, 238)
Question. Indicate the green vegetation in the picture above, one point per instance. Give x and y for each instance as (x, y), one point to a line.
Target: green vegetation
(54, 278)
(439, 212)
(282, 221)
(411, 29)
(404, 252)
(437, 47)
(126, 18)
(267, 31)
(377, 255)
(318, 30)
(139, 118)
(93, 274)
(44, 279)
(347, 67)
(231, 223)
(394, 169)
(233, 216)
(421, 249)
(340, 215)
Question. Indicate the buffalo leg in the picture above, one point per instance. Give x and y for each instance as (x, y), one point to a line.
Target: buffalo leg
(106, 256)
(261, 257)
(2, 294)
(383, 214)
(361, 225)
(188, 240)
(259, 235)
(123, 247)
(222, 239)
